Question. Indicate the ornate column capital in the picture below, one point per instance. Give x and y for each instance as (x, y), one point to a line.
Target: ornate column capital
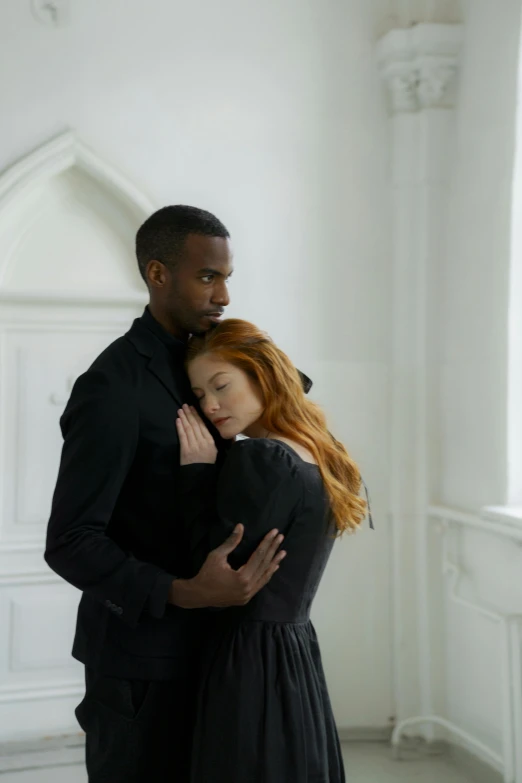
(419, 65)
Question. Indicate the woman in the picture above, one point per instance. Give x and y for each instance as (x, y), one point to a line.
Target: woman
(263, 712)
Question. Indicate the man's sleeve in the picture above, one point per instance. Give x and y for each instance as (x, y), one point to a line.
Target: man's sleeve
(100, 428)
(196, 491)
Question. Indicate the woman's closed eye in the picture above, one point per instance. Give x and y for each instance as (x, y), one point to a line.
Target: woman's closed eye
(200, 397)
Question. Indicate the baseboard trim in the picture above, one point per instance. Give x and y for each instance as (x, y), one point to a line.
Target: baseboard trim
(477, 769)
(480, 771)
(365, 734)
(59, 751)
(69, 749)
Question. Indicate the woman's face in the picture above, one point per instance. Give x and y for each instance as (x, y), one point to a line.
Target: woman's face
(228, 397)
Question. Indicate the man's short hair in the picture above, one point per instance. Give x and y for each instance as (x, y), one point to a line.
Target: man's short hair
(163, 235)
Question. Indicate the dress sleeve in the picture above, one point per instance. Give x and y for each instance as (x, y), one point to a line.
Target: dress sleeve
(258, 486)
(195, 487)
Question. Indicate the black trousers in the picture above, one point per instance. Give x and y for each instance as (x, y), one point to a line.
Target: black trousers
(138, 731)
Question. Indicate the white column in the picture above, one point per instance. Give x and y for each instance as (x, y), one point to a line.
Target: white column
(419, 66)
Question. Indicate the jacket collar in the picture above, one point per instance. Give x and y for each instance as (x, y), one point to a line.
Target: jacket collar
(151, 341)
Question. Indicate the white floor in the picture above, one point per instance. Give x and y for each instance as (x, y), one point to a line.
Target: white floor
(364, 762)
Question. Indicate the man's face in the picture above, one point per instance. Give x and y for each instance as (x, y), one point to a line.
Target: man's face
(195, 292)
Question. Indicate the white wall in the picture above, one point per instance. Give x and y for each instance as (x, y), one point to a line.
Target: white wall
(473, 355)
(271, 115)
(466, 664)
(474, 307)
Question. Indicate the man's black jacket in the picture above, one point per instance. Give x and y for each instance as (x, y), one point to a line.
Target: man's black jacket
(114, 531)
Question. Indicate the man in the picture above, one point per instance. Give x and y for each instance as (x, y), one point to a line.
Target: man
(115, 530)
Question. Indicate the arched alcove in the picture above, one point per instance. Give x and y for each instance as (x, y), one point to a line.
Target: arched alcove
(67, 226)
(69, 286)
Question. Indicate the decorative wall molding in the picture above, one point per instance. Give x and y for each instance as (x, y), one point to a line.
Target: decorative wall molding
(39, 366)
(397, 14)
(491, 519)
(31, 693)
(30, 578)
(419, 66)
(57, 156)
(27, 321)
(64, 183)
(505, 515)
(453, 522)
(22, 563)
(72, 298)
(60, 204)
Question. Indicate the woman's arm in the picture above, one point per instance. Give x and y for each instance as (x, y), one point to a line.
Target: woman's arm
(257, 487)
(200, 487)
(260, 486)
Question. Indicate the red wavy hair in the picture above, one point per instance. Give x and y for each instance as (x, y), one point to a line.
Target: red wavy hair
(287, 411)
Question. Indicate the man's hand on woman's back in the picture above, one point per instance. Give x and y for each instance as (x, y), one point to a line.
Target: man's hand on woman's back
(218, 585)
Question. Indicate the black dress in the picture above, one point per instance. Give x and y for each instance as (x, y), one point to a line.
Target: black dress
(263, 710)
